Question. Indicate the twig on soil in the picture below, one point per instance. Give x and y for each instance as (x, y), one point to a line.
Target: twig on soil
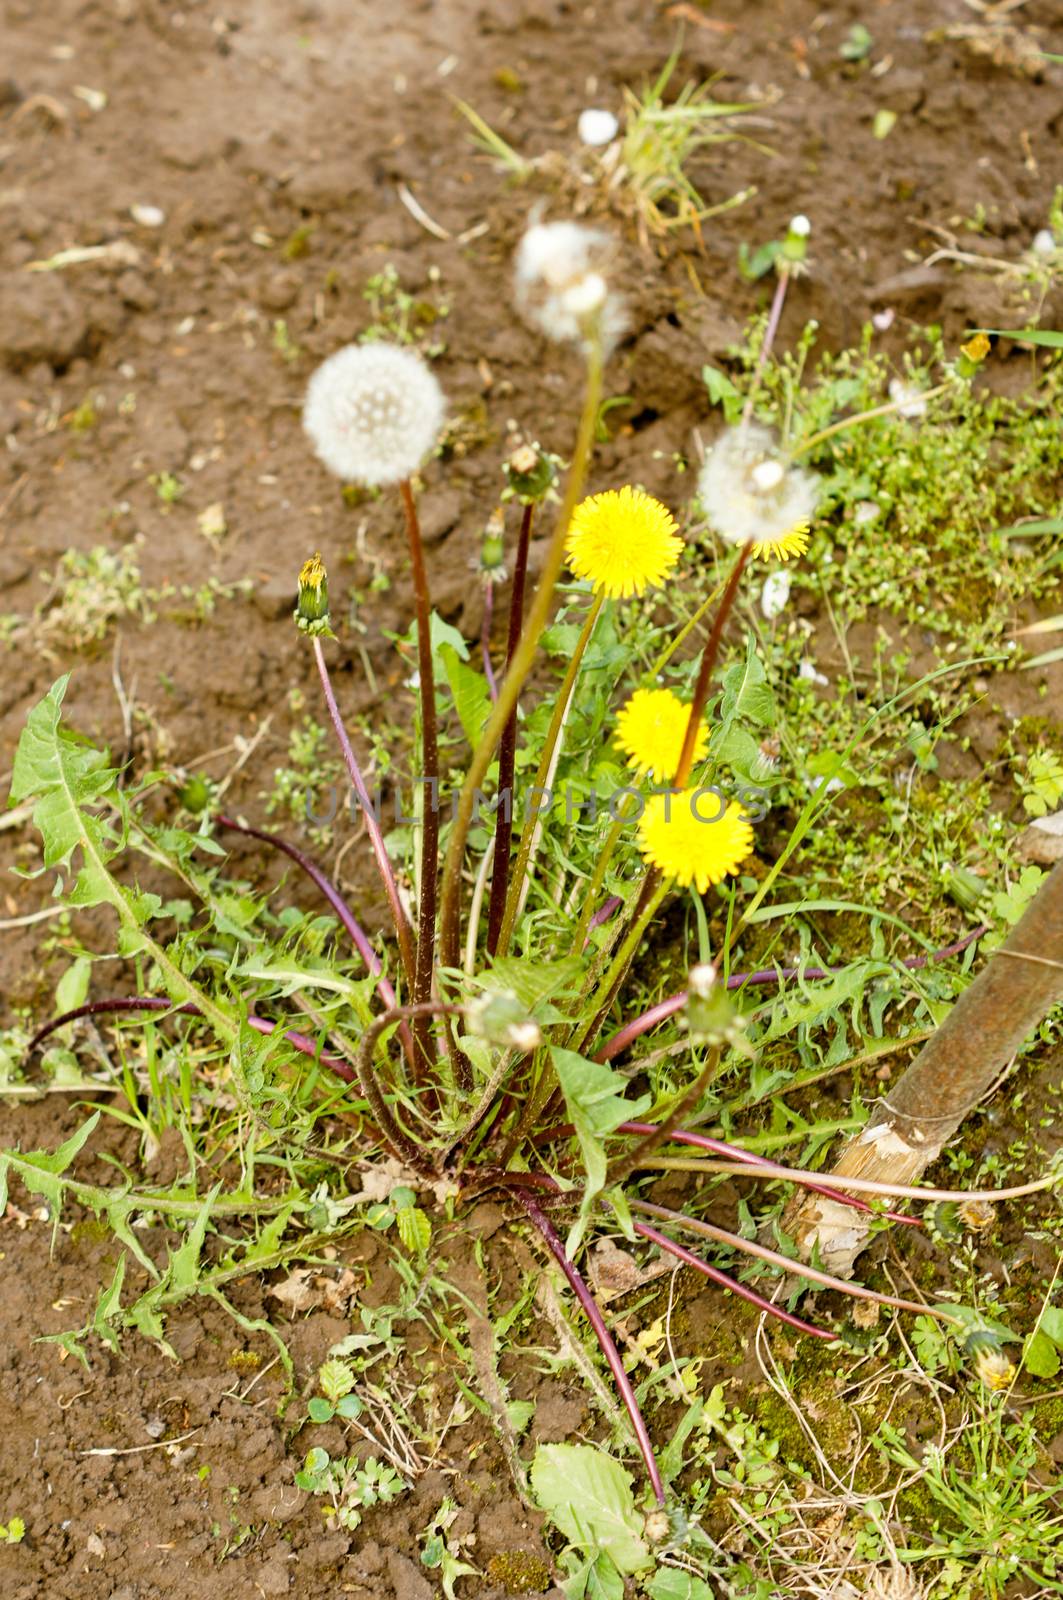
(137, 1449)
(419, 214)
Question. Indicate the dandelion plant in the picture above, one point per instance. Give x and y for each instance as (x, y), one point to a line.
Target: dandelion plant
(492, 1073)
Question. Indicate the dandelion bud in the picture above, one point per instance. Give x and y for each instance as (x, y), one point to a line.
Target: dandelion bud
(531, 473)
(753, 495)
(501, 1019)
(702, 979)
(492, 565)
(795, 245)
(965, 887)
(196, 793)
(311, 610)
(525, 1036)
(710, 1017)
(373, 412)
(562, 284)
(971, 355)
(994, 1369)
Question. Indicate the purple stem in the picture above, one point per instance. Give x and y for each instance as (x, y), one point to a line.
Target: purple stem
(339, 906)
(328, 889)
(766, 343)
(739, 980)
(735, 1152)
(147, 1002)
(485, 638)
(403, 931)
(607, 909)
(691, 1260)
(604, 1337)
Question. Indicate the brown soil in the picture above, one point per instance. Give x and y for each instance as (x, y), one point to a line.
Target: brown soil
(274, 137)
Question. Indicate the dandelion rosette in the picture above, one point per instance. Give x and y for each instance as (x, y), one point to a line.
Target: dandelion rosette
(753, 495)
(373, 412)
(650, 730)
(562, 284)
(622, 541)
(691, 836)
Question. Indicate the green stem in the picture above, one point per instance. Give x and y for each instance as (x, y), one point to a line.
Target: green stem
(532, 829)
(651, 894)
(510, 687)
(508, 748)
(594, 888)
(863, 416)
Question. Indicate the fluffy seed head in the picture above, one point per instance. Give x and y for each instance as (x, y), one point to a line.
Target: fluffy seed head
(562, 284)
(752, 495)
(373, 412)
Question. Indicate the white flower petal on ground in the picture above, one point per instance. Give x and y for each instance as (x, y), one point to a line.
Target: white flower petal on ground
(774, 595)
(373, 412)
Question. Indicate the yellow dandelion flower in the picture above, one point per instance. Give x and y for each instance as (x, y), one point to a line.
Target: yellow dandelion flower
(784, 545)
(622, 541)
(693, 837)
(650, 730)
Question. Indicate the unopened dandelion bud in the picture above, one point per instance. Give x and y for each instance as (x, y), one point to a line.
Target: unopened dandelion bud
(525, 1036)
(531, 473)
(971, 355)
(709, 1017)
(196, 793)
(995, 1370)
(492, 564)
(795, 245)
(311, 610)
(702, 980)
(965, 887)
(502, 1020)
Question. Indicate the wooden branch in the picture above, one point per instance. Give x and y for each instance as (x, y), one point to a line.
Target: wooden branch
(910, 1126)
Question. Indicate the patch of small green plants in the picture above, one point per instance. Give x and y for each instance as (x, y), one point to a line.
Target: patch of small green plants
(630, 925)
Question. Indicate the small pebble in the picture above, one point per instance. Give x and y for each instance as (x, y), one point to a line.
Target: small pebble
(147, 216)
(597, 127)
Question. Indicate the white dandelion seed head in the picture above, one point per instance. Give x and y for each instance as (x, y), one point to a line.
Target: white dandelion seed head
(1044, 242)
(373, 412)
(750, 492)
(800, 225)
(562, 283)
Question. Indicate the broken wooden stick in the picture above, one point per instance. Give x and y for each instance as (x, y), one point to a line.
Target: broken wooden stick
(908, 1128)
